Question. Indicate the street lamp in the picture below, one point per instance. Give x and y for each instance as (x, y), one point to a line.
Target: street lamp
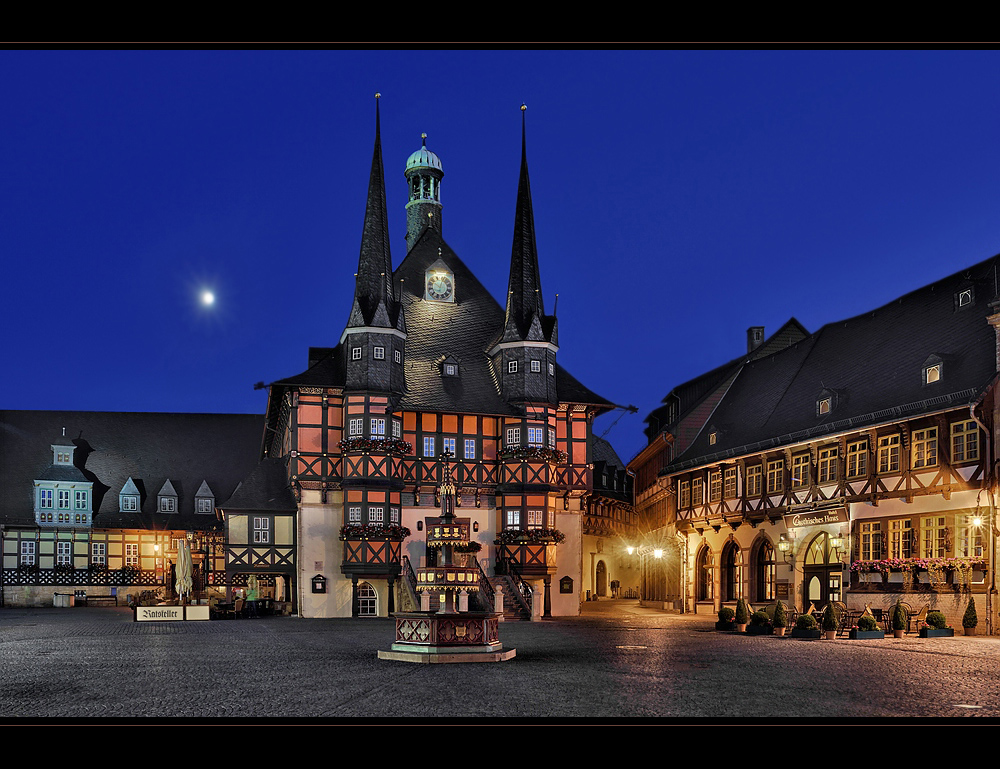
(785, 548)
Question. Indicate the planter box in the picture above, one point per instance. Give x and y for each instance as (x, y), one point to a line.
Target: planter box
(760, 630)
(806, 634)
(725, 626)
(862, 635)
(896, 577)
(933, 632)
(870, 576)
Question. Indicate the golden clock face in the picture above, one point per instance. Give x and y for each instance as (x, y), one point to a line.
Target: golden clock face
(440, 287)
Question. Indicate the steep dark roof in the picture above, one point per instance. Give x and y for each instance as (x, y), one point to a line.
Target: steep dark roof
(151, 448)
(265, 489)
(871, 365)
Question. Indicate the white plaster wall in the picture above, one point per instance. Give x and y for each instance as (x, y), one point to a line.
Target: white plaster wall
(569, 562)
(320, 552)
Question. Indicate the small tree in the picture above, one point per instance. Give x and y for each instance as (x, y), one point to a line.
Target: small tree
(970, 619)
(742, 612)
(780, 615)
(937, 620)
(830, 617)
(899, 617)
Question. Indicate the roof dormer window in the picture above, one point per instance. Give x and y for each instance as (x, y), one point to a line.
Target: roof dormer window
(933, 370)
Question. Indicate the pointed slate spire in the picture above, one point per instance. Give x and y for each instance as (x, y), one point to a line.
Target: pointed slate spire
(525, 317)
(373, 297)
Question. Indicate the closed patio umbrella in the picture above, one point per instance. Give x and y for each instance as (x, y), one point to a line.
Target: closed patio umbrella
(183, 569)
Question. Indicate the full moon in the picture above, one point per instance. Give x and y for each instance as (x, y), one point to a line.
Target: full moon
(207, 298)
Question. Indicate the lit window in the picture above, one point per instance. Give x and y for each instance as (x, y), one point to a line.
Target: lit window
(933, 537)
(900, 538)
(448, 444)
(888, 454)
(925, 447)
(379, 353)
(684, 496)
(969, 539)
(535, 436)
(131, 554)
(378, 427)
(536, 519)
(513, 519)
(755, 474)
(775, 476)
(823, 406)
(964, 441)
(800, 471)
(729, 483)
(932, 373)
(870, 543)
(261, 531)
(697, 491)
(827, 471)
(712, 438)
(355, 353)
(64, 553)
(857, 459)
(470, 448)
(428, 445)
(714, 486)
(99, 552)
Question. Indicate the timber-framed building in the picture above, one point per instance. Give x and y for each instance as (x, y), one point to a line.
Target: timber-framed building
(853, 464)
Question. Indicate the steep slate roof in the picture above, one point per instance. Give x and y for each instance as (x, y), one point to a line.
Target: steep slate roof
(266, 489)
(872, 364)
(151, 448)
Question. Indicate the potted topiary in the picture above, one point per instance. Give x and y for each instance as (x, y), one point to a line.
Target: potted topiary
(806, 627)
(780, 619)
(830, 622)
(867, 627)
(742, 615)
(760, 624)
(936, 626)
(899, 620)
(726, 619)
(970, 619)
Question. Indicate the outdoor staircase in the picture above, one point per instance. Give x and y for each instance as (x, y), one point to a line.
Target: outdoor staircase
(512, 609)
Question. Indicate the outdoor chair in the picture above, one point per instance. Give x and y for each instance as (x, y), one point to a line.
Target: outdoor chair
(913, 620)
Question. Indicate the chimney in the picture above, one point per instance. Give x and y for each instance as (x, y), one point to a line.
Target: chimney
(755, 335)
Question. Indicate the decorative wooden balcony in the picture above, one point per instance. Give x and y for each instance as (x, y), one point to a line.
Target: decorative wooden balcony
(372, 549)
(529, 553)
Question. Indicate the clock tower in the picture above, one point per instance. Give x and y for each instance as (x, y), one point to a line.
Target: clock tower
(423, 208)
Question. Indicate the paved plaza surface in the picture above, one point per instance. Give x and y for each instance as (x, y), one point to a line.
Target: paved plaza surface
(616, 661)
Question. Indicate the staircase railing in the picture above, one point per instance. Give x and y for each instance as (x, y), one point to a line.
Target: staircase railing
(409, 578)
(487, 595)
(522, 590)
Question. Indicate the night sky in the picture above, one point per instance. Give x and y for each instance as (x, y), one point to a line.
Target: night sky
(679, 196)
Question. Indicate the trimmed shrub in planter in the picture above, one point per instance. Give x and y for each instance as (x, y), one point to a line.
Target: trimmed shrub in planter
(780, 619)
(830, 621)
(726, 619)
(806, 627)
(899, 620)
(760, 624)
(970, 619)
(867, 628)
(936, 626)
(742, 615)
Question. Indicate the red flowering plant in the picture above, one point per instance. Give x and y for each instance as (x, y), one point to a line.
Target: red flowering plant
(373, 531)
(534, 452)
(530, 536)
(383, 445)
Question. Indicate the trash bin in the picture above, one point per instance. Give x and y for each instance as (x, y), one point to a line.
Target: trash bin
(62, 600)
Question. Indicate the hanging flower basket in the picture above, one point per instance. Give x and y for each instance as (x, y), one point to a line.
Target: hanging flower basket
(535, 453)
(376, 445)
(368, 531)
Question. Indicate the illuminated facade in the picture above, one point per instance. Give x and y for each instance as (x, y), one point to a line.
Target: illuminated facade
(852, 464)
(430, 368)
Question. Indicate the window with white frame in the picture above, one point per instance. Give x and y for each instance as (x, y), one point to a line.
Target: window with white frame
(800, 471)
(64, 553)
(378, 427)
(729, 484)
(168, 504)
(536, 435)
(775, 476)
(45, 499)
(684, 495)
(888, 454)
(397, 356)
(99, 553)
(512, 519)
(27, 553)
(536, 366)
(933, 537)
(964, 441)
(714, 485)
(827, 467)
(397, 428)
(448, 444)
(857, 459)
(204, 505)
(394, 515)
(261, 530)
(969, 537)
(470, 448)
(754, 478)
(870, 541)
(932, 373)
(552, 437)
(63, 495)
(513, 436)
(80, 500)
(512, 367)
(429, 446)
(356, 426)
(376, 515)
(131, 554)
(925, 447)
(536, 519)
(355, 353)
(900, 538)
(552, 369)
(378, 353)
(697, 491)
(354, 515)
(450, 369)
